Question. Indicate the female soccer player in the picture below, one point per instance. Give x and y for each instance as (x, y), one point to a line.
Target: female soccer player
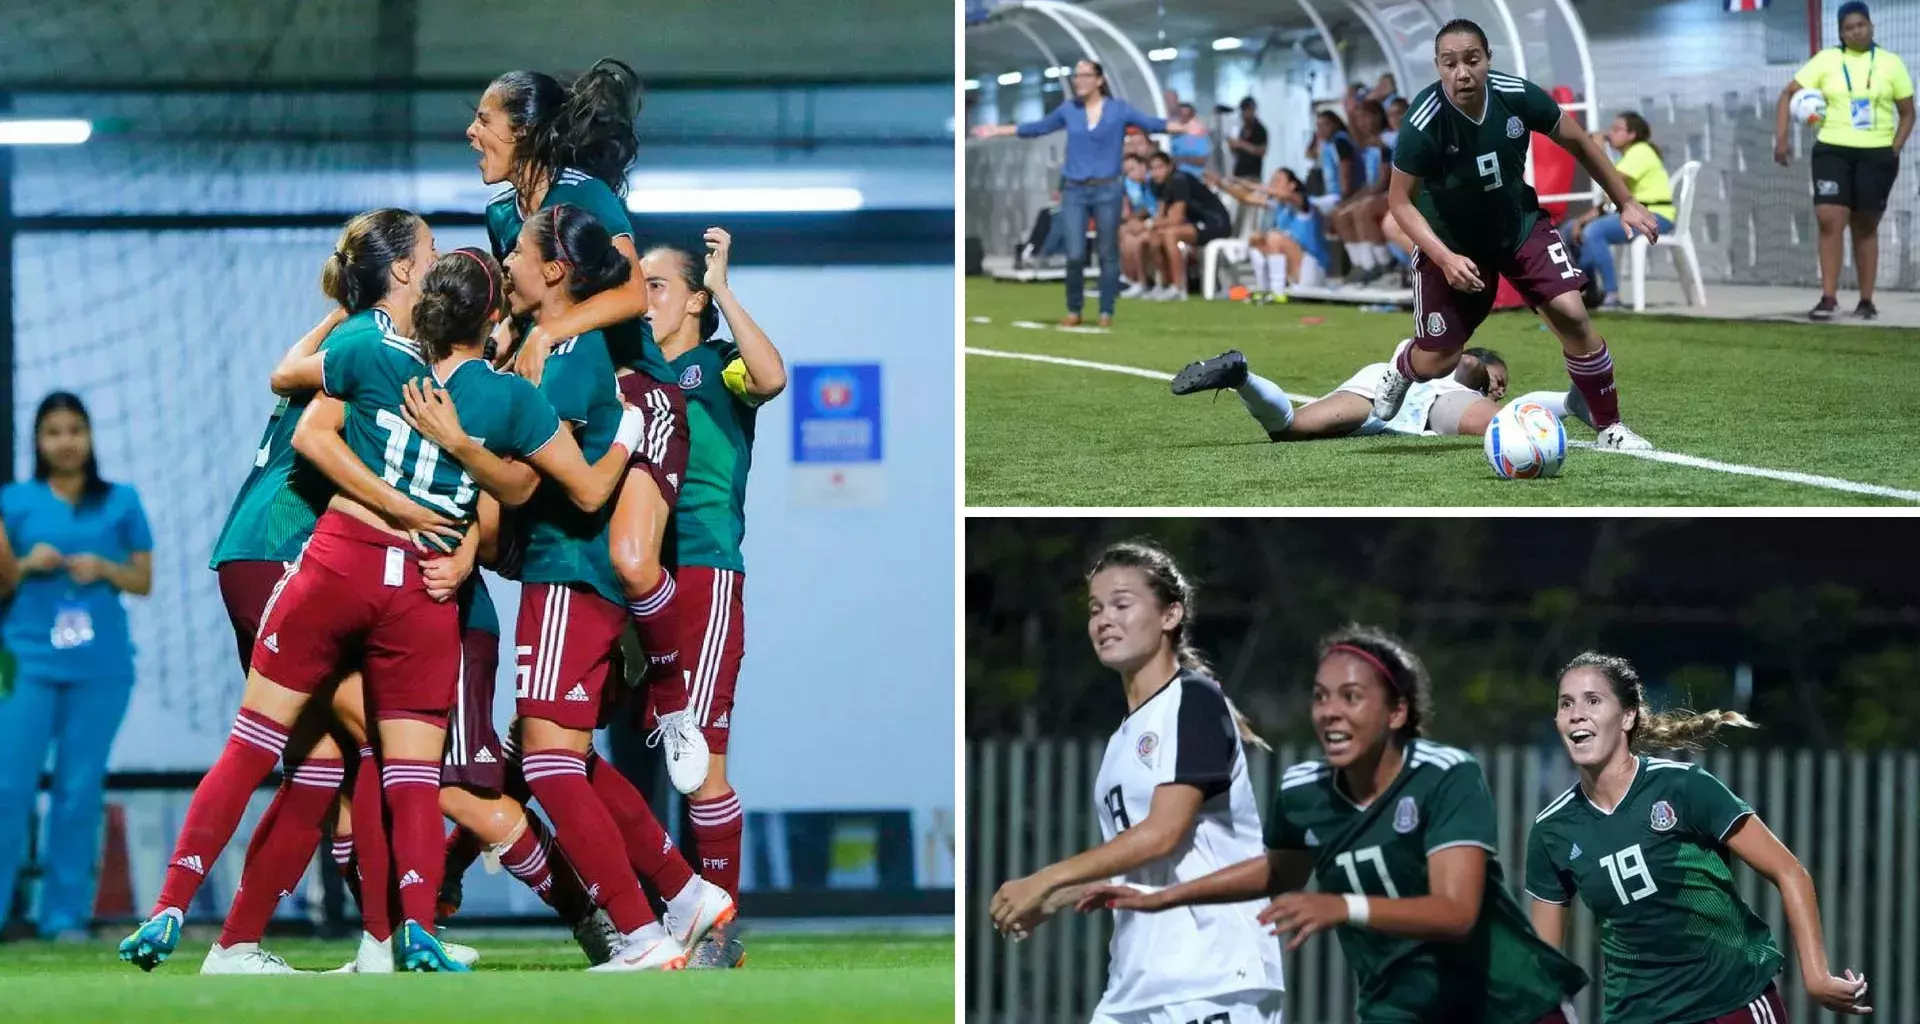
(1399, 833)
(1294, 249)
(1644, 841)
(571, 612)
(1856, 157)
(727, 382)
(1357, 219)
(1174, 803)
(555, 144)
(1459, 192)
(87, 543)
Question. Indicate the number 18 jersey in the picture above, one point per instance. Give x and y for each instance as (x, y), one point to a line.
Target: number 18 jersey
(1679, 943)
(1502, 973)
(1184, 734)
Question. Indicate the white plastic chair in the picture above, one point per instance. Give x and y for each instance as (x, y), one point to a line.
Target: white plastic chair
(1235, 250)
(1686, 261)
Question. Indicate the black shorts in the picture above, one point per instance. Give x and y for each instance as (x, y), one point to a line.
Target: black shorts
(1208, 229)
(1853, 177)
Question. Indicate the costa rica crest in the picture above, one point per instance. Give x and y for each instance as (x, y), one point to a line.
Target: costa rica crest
(1147, 745)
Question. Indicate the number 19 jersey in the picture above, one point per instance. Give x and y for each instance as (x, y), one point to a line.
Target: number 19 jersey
(1475, 192)
(1679, 943)
(1502, 973)
(1184, 734)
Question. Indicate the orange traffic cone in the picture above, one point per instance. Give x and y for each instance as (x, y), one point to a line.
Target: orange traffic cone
(114, 897)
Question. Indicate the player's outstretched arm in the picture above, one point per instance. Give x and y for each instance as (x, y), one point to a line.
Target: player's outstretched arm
(1169, 819)
(766, 371)
(1752, 841)
(317, 438)
(589, 485)
(300, 369)
(1456, 876)
(1575, 140)
(1274, 872)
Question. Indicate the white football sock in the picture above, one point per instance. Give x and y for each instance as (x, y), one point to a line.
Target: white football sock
(1555, 401)
(1361, 256)
(1381, 257)
(1277, 270)
(1267, 402)
(1260, 272)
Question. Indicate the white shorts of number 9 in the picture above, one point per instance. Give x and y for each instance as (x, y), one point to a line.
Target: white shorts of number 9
(1259, 1007)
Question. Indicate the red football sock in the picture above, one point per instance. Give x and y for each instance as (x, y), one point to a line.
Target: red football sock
(567, 896)
(716, 839)
(370, 849)
(412, 791)
(343, 860)
(463, 848)
(649, 849)
(282, 857)
(559, 781)
(656, 617)
(252, 748)
(1593, 375)
(526, 860)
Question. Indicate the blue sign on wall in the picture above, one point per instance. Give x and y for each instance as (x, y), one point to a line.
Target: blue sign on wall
(836, 413)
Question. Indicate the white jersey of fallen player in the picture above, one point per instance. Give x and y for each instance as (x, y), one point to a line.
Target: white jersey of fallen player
(1412, 417)
(1184, 734)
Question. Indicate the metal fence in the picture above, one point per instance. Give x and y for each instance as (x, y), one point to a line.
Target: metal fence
(1852, 818)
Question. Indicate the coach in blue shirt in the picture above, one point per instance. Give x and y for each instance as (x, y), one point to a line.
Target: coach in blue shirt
(1096, 126)
(85, 542)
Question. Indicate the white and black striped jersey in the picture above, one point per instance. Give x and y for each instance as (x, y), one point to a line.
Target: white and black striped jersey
(1184, 734)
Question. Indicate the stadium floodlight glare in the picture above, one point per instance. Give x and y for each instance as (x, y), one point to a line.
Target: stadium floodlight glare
(1010, 78)
(745, 200)
(973, 84)
(1162, 55)
(64, 131)
(1227, 43)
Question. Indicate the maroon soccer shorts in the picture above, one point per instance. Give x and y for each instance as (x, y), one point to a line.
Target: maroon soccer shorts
(715, 644)
(665, 440)
(474, 757)
(357, 589)
(1765, 1009)
(564, 641)
(245, 588)
(1444, 319)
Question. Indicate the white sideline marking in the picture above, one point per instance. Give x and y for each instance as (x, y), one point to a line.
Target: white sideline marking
(1672, 458)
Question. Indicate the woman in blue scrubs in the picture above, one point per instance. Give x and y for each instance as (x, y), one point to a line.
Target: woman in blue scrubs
(71, 544)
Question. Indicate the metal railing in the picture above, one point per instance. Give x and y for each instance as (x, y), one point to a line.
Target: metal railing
(1852, 818)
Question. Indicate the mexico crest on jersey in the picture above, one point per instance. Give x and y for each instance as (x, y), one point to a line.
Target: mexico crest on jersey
(1436, 324)
(1663, 819)
(1514, 128)
(1406, 816)
(690, 378)
(1145, 748)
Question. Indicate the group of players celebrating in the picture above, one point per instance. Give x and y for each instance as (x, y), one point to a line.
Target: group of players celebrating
(559, 410)
(1399, 832)
(1459, 192)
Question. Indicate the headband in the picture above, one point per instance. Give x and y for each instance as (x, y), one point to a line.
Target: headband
(469, 253)
(1364, 655)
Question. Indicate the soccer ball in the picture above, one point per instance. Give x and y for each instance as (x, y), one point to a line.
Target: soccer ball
(1524, 441)
(1809, 107)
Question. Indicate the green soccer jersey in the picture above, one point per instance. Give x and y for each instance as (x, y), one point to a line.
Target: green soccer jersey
(274, 513)
(1502, 973)
(631, 342)
(564, 544)
(498, 410)
(1475, 193)
(476, 606)
(711, 518)
(1679, 943)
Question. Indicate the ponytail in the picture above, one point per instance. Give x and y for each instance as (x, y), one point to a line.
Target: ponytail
(587, 125)
(358, 272)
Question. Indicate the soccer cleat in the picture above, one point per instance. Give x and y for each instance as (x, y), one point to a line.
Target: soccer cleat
(687, 754)
(597, 936)
(466, 956)
(1825, 310)
(415, 949)
(1577, 407)
(719, 951)
(1133, 291)
(1390, 393)
(1866, 310)
(646, 949)
(153, 942)
(372, 957)
(244, 958)
(1620, 439)
(714, 909)
(1226, 370)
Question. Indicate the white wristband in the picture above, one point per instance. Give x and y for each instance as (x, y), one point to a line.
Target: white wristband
(632, 421)
(1356, 909)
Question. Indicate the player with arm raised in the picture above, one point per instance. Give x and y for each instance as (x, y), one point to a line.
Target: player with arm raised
(1459, 193)
(554, 144)
(1645, 842)
(1174, 804)
(1399, 833)
(727, 382)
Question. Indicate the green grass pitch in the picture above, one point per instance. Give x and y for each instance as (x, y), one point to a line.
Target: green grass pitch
(787, 977)
(1811, 399)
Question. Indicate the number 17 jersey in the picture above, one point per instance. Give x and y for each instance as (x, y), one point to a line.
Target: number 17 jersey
(1501, 973)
